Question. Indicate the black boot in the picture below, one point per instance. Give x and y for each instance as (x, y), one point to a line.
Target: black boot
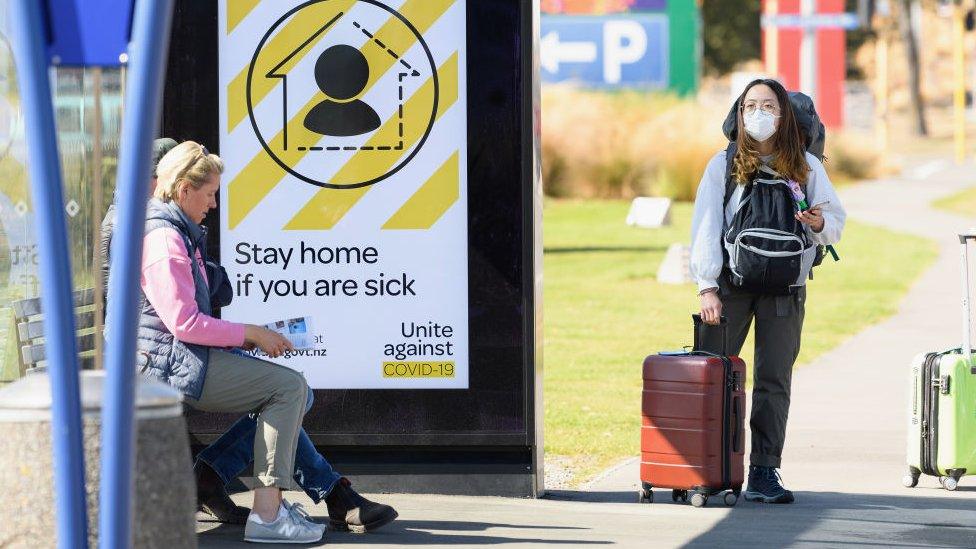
(349, 511)
(765, 486)
(212, 497)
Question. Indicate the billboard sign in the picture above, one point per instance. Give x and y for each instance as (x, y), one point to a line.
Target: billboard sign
(343, 209)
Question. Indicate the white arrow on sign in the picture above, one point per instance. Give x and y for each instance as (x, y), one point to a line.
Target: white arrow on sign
(553, 52)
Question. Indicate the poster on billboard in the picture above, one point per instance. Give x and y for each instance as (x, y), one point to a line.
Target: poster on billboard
(343, 201)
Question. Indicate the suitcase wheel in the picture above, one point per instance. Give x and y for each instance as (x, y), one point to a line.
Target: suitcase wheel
(949, 483)
(910, 480)
(699, 499)
(645, 494)
(679, 495)
(731, 499)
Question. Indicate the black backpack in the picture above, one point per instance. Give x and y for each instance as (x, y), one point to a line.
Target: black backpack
(766, 248)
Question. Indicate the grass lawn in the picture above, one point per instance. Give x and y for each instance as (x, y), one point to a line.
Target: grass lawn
(962, 203)
(604, 311)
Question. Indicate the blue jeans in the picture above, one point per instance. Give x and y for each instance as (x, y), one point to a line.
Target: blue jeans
(231, 454)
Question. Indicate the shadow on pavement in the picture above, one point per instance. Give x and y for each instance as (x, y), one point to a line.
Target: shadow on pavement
(476, 526)
(838, 519)
(405, 533)
(591, 497)
(833, 519)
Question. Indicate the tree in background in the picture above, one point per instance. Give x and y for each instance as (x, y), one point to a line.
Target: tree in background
(855, 39)
(731, 34)
(911, 51)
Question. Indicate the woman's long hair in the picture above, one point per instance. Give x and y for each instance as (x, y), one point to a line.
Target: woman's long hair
(789, 150)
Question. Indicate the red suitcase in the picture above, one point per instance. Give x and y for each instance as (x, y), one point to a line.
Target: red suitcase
(692, 424)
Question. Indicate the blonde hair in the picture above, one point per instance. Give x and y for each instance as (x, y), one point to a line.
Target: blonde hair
(189, 161)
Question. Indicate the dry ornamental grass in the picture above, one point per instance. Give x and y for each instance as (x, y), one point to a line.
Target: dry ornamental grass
(624, 144)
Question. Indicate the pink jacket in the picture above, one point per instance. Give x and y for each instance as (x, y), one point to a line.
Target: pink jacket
(168, 284)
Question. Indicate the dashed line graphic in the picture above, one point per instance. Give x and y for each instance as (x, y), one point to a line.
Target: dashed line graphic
(346, 70)
(399, 145)
(400, 105)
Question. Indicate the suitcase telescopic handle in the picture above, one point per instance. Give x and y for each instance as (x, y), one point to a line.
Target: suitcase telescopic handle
(967, 340)
(702, 329)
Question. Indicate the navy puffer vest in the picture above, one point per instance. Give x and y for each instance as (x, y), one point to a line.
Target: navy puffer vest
(161, 355)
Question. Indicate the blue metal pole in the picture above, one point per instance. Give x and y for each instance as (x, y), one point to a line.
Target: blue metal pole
(55, 269)
(147, 61)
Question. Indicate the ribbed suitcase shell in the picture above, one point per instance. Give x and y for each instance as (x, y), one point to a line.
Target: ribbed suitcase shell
(685, 417)
(942, 402)
(948, 421)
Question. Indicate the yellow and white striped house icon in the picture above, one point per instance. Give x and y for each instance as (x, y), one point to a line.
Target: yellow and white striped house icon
(343, 95)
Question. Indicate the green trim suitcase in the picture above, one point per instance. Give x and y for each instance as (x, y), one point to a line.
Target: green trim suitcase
(942, 405)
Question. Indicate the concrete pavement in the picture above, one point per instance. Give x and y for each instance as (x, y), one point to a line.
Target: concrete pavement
(845, 445)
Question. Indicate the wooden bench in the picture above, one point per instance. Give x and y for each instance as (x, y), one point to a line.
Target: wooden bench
(30, 330)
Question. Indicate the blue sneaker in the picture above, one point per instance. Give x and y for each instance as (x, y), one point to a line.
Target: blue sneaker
(765, 486)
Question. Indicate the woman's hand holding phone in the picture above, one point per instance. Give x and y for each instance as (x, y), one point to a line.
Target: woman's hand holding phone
(813, 217)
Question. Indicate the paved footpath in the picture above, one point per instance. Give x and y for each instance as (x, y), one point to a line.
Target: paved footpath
(845, 446)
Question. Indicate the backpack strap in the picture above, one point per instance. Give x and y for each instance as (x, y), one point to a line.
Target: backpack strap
(730, 183)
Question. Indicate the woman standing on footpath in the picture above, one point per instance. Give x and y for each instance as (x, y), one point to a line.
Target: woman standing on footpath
(747, 271)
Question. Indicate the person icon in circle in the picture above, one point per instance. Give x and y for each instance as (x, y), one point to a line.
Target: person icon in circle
(341, 72)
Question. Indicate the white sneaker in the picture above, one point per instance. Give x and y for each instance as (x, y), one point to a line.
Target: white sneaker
(300, 513)
(291, 526)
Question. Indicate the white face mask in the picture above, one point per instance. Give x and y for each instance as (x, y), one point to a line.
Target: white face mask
(760, 125)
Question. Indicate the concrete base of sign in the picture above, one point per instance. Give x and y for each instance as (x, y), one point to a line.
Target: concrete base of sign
(165, 494)
(469, 484)
(859, 107)
(676, 267)
(649, 212)
(441, 470)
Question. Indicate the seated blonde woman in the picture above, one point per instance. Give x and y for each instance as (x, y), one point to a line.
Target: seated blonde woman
(181, 344)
